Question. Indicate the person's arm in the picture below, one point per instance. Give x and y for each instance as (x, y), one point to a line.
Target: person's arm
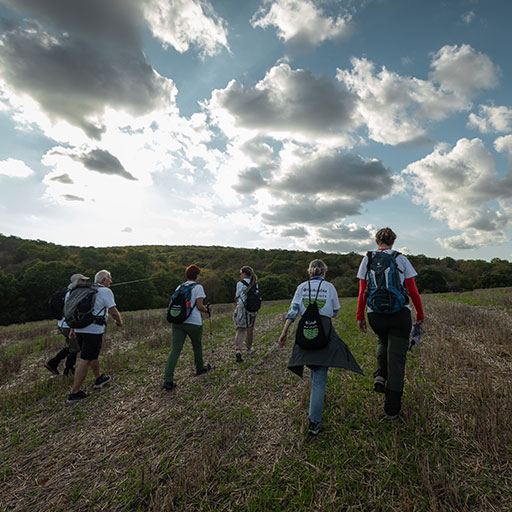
(361, 320)
(412, 290)
(282, 339)
(200, 306)
(114, 313)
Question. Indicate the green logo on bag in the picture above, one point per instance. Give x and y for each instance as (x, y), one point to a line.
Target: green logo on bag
(175, 312)
(310, 333)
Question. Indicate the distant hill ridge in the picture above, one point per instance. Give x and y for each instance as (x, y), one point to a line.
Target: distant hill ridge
(31, 270)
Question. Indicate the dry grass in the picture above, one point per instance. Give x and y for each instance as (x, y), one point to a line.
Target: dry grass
(234, 439)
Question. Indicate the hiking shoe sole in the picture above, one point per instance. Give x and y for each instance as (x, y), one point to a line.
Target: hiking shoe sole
(206, 369)
(103, 382)
(77, 397)
(169, 386)
(379, 384)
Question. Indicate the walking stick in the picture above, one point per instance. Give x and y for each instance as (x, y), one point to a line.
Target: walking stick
(211, 332)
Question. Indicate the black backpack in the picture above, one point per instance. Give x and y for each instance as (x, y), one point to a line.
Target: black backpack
(252, 298)
(79, 305)
(386, 293)
(179, 307)
(310, 334)
(56, 304)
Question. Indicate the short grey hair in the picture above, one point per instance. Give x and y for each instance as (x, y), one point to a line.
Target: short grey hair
(317, 267)
(102, 274)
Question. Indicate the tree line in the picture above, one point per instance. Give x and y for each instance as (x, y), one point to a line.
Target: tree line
(31, 270)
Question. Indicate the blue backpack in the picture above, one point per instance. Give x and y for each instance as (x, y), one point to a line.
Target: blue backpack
(386, 293)
(179, 307)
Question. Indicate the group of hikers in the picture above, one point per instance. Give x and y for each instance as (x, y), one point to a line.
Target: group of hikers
(386, 288)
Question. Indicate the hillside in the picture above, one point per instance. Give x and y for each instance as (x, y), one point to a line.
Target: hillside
(30, 271)
(235, 439)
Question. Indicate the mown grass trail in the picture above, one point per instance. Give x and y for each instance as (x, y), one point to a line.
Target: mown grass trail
(235, 438)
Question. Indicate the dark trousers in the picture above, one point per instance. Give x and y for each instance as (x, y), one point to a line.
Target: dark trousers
(393, 332)
(66, 353)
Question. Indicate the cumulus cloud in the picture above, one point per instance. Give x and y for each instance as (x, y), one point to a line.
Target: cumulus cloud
(15, 168)
(63, 178)
(76, 61)
(339, 174)
(461, 186)
(185, 23)
(71, 197)
(285, 104)
(491, 119)
(249, 181)
(98, 160)
(395, 107)
(301, 23)
(310, 210)
(341, 237)
(296, 232)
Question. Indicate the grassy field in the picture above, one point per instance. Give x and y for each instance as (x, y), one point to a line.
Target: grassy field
(235, 438)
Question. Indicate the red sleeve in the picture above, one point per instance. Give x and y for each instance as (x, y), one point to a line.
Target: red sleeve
(410, 284)
(361, 300)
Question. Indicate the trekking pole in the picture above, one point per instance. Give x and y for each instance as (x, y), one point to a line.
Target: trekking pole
(211, 332)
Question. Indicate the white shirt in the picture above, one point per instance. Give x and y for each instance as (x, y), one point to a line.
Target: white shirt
(197, 293)
(103, 300)
(241, 289)
(327, 301)
(404, 265)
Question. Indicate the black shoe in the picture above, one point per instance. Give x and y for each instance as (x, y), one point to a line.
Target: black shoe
(205, 369)
(69, 371)
(379, 384)
(169, 386)
(76, 397)
(51, 368)
(239, 357)
(101, 381)
(315, 427)
(392, 417)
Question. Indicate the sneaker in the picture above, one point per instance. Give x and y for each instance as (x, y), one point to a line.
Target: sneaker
(69, 371)
(391, 417)
(101, 381)
(205, 369)
(250, 351)
(239, 357)
(315, 427)
(169, 386)
(76, 397)
(379, 384)
(51, 368)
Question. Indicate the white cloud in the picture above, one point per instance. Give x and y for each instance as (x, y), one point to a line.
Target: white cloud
(463, 70)
(461, 186)
(395, 108)
(467, 17)
(301, 22)
(286, 104)
(491, 119)
(15, 168)
(185, 23)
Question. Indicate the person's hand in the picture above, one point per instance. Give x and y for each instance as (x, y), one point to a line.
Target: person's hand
(361, 324)
(282, 340)
(420, 322)
(119, 323)
(72, 334)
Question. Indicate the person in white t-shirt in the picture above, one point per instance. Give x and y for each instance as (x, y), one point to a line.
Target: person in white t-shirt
(191, 327)
(334, 355)
(90, 337)
(243, 319)
(70, 351)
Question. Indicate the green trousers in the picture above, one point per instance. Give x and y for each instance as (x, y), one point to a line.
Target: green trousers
(179, 333)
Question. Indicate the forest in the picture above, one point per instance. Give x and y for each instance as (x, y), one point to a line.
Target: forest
(32, 270)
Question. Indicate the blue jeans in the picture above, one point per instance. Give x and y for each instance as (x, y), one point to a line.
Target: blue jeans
(316, 399)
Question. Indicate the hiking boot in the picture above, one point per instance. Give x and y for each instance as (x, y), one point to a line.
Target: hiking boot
(379, 384)
(315, 427)
(169, 386)
(69, 371)
(101, 381)
(76, 397)
(50, 367)
(239, 357)
(250, 351)
(205, 369)
(391, 417)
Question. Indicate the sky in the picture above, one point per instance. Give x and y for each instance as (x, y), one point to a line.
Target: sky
(294, 124)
